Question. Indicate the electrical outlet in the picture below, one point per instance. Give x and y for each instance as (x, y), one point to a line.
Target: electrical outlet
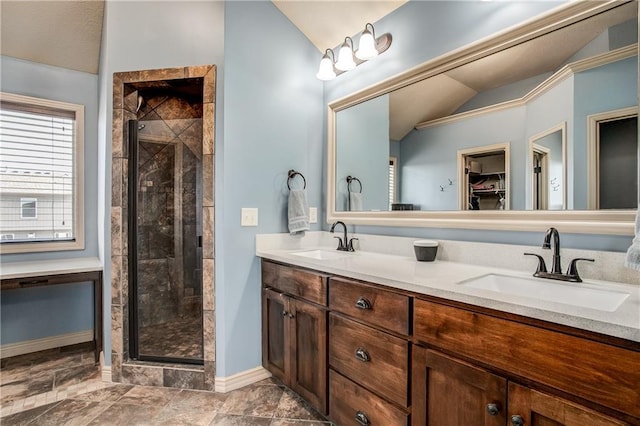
(249, 217)
(313, 215)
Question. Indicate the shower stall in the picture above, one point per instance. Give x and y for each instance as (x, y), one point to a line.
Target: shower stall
(165, 223)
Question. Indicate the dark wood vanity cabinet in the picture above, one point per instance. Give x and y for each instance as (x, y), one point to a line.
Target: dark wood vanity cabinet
(368, 354)
(450, 392)
(605, 376)
(534, 408)
(388, 357)
(294, 331)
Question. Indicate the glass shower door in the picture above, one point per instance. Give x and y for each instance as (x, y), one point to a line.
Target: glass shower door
(166, 252)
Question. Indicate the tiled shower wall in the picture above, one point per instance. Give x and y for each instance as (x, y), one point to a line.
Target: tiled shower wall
(170, 162)
(125, 103)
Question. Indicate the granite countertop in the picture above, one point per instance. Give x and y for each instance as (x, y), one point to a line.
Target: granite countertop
(441, 279)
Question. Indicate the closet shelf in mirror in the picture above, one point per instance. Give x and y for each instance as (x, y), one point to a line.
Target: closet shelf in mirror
(488, 191)
(487, 173)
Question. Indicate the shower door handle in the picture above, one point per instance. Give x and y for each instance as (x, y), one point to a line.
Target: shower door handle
(199, 241)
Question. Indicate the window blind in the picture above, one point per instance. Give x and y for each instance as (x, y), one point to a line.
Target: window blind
(36, 173)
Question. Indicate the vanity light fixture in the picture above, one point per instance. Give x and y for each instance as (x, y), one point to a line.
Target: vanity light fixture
(369, 48)
(326, 71)
(345, 56)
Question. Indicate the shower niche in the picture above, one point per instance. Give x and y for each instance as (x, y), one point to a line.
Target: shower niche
(163, 329)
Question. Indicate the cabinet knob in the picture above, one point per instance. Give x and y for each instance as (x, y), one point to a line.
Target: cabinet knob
(362, 355)
(284, 313)
(362, 418)
(291, 315)
(517, 420)
(363, 303)
(493, 409)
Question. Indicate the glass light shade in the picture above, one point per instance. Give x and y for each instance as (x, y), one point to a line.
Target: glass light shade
(345, 58)
(367, 48)
(326, 72)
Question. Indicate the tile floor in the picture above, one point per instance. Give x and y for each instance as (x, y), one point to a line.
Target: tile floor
(178, 339)
(63, 390)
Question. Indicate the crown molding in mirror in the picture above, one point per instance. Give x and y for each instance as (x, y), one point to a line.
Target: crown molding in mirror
(607, 222)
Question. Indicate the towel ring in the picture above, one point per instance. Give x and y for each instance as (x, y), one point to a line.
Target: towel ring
(350, 179)
(292, 173)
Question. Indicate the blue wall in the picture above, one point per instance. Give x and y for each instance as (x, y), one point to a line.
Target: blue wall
(138, 36)
(26, 321)
(429, 157)
(423, 31)
(363, 152)
(273, 122)
(605, 88)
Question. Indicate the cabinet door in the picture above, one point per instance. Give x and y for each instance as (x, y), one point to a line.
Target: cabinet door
(450, 392)
(308, 328)
(528, 407)
(275, 334)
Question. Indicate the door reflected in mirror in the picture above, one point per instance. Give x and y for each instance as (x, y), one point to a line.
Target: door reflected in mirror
(548, 169)
(613, 155)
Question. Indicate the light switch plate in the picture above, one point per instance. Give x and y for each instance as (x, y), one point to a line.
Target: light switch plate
(313, 215)
(249, 217)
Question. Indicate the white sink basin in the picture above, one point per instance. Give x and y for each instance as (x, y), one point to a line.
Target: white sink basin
(576, 294)
(321, 254)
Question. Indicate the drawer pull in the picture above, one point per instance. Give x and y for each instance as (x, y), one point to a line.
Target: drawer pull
(363, 303)
(362, 418)
(493, 409)
(517, 420)
(362, 355)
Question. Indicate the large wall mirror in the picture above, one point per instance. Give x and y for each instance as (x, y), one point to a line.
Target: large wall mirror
(536, 126)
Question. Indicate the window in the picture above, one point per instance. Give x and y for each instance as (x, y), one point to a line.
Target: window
(28, 208)
(41, 175)
(393, 187)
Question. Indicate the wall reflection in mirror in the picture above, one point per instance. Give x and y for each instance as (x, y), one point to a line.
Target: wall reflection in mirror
(563, 106)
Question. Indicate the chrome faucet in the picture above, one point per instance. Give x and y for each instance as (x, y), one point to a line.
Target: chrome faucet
(556, 270)
(346, 244)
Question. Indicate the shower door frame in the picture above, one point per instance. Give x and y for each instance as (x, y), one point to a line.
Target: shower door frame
(134, 342)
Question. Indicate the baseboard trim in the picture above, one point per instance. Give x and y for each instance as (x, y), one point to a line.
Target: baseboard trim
(244, 378)
(21, 348)
(106, 373)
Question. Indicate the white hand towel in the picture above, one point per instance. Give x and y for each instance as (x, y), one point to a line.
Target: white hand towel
(355, 201)
(298, 212)
(632, 260)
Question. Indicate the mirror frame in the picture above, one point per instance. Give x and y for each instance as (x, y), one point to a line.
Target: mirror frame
(607, 222)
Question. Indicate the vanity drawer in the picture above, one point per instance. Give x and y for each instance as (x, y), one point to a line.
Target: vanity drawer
(304, 284)
(371, 304)
(582, 367)
(377, 360)
(350, 404)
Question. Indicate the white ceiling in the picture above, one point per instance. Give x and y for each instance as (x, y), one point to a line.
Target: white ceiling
(61, 33)
(67, 33)
(327, 22)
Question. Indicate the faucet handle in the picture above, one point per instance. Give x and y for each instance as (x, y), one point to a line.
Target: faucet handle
(350, 245)
(542, 267)
(573, 269)
(340, 244)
